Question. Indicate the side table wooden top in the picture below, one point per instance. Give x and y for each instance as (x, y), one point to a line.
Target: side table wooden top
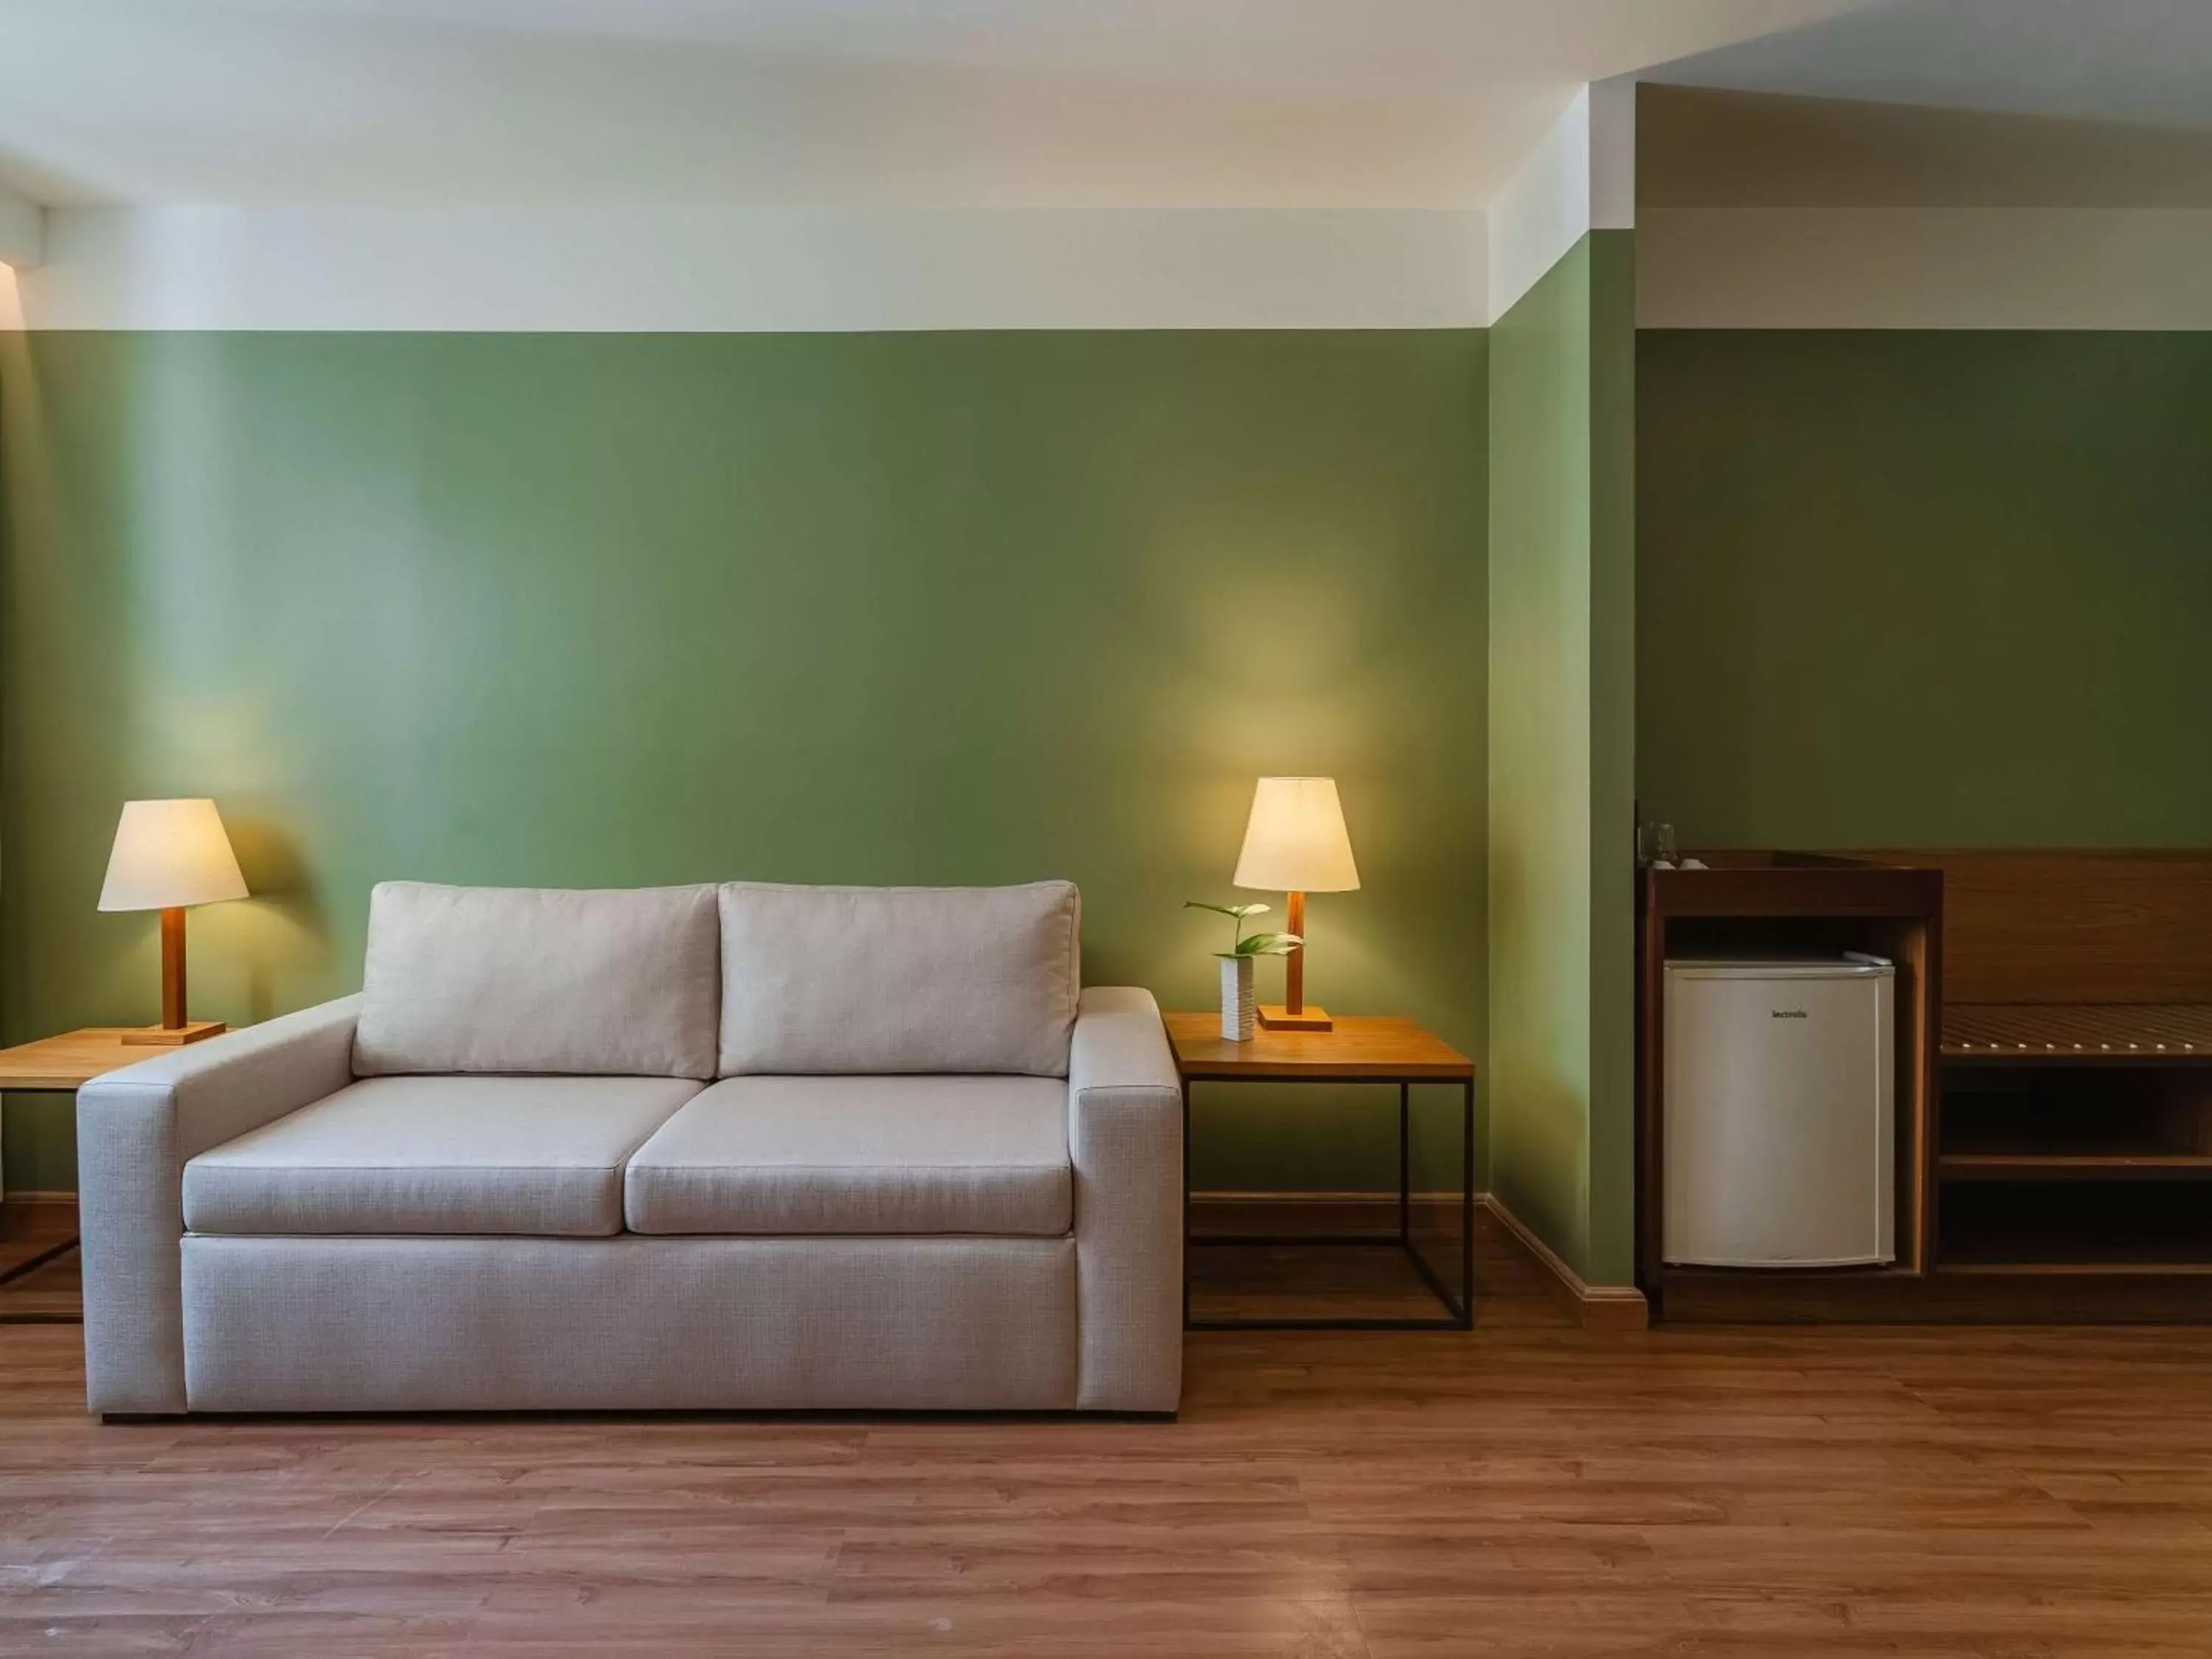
(71, 1060)
(1376, 1047)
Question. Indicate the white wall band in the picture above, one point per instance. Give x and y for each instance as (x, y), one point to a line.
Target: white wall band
(673, 269)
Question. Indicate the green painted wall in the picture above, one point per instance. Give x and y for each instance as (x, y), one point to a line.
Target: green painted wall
(1921, 587)
(596, 609)
(1614, 554)
(1562, 732)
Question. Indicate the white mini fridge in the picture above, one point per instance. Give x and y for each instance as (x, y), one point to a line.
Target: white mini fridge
(1779, 1114)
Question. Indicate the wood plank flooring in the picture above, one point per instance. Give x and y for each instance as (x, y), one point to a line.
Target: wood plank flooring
(52, 1292)
(39, 1272)
(1525, 1489)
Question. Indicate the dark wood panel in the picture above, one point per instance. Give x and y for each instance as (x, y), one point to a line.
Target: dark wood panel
(1772, 885)
(2073, 926)
(1522, 1488)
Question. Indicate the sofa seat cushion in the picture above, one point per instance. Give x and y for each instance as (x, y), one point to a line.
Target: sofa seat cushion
(859, 1154)
(540, 1155)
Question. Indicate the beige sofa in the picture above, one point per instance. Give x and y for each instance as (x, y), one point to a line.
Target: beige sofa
(735, 1147)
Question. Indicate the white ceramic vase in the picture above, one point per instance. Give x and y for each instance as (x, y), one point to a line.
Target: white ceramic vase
(1239, 1016)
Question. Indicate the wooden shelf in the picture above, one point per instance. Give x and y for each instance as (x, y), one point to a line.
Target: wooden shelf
(2074, 1129)
(2074, 1269)
(2053, 1168)
(2082, 1221)
(2109, 1033)
(2074, 1166)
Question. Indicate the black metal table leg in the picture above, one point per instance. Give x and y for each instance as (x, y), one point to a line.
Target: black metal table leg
(1406, 1166)
(1466, 1207)
(1459, 1309)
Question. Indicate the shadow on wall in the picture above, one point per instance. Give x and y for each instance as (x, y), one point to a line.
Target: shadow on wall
(280, 933)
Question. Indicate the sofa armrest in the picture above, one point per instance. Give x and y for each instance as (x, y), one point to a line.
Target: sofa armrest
(1125, 1140)
(135, 1129)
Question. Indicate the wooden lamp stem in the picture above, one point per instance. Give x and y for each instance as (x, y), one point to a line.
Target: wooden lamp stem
(176, 1027)
(173, 969)
(1293, 1015)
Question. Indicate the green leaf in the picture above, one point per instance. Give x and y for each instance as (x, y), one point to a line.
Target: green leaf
(1239, 911)
(1269, 944)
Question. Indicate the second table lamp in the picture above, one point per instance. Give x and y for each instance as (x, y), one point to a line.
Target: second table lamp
(1296, 843)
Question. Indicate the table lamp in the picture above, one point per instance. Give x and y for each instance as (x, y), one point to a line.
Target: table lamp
(170, 853)
(1295, 843)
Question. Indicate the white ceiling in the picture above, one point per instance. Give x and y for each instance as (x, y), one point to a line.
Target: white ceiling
(1079, 103)
(2143, 61)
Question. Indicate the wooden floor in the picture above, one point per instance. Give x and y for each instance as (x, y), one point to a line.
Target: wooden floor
(40, 1267)
(1521, 1490)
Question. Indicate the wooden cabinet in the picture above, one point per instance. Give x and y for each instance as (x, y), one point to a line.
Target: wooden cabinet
(1764, 903)
(2075, 1136)
(2056, 1153)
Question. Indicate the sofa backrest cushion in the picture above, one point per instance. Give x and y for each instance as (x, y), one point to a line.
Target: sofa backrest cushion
(899, 979)
(615, 981)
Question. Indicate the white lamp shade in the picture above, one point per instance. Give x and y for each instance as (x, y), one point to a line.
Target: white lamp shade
(1296, 841)
(169, 853)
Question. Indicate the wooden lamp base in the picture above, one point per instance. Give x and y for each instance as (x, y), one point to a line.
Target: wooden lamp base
(1308, 1018)
(171, 1037)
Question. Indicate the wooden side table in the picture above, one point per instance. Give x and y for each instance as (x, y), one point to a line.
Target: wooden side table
(1358, 1050)
(61, 1065)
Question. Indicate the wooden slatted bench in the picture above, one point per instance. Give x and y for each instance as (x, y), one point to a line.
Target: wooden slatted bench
(2099, 1032)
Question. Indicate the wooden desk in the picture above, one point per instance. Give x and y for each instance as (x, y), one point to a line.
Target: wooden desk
(57, 1065)
(1358, 1050)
